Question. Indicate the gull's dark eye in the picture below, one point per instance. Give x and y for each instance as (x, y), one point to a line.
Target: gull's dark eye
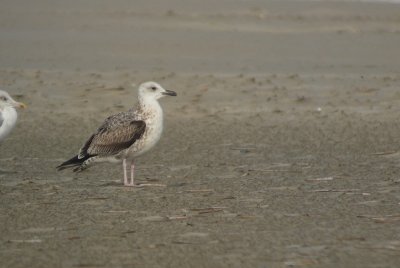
(153, 88)
(3, 98)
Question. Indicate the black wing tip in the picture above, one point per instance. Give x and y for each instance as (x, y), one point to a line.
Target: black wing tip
(73, 162)
(61, 167)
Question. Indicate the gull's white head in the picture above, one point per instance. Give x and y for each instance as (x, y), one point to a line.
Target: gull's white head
(7, 101)
(153, 90)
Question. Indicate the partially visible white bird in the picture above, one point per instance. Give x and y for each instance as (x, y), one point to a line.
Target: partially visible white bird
(8, 114)
(124, 136)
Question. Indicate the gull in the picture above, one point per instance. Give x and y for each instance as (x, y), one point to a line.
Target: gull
(8, 114)
(126, 135)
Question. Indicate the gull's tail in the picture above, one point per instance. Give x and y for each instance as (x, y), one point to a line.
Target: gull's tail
(77, 163)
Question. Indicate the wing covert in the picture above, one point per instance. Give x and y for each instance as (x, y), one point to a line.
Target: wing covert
(111, 139)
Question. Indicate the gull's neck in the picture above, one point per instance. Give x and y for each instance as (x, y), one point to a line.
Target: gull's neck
(149, 104)
(9, 113)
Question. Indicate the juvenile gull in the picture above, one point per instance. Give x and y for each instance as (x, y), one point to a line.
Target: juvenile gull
(125, 136)
(8, 114)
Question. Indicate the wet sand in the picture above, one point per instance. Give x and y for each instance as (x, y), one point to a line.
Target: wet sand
(281, 149)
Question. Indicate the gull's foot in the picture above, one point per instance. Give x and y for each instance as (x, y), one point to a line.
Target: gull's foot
(128, 184)
(140, 185)
(150, 184)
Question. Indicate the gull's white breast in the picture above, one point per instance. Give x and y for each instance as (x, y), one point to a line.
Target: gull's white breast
(152, 115)
(152, 134)
(10, 116)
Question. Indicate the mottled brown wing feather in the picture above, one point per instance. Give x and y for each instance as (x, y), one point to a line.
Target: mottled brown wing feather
(112, 140)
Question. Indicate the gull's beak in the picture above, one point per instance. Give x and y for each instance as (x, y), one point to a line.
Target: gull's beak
(169, 93)
(19, 105)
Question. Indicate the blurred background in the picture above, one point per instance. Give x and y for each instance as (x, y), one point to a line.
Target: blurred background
(225, 36)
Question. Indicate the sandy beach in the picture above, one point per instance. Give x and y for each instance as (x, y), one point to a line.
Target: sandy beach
(281, 149)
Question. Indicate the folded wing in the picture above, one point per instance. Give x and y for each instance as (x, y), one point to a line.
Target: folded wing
(111, 139)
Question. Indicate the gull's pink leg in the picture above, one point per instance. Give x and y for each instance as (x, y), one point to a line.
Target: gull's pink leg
(132, 174)
(132, 181)
(125, 175)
